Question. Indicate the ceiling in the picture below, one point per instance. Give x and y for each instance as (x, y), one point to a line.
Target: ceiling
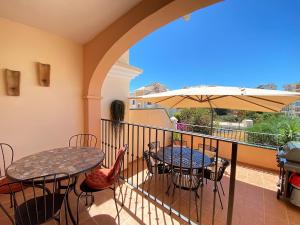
(78, 20)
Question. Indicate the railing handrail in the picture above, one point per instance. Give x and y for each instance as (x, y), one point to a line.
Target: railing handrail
(182, 132)
(230, 129)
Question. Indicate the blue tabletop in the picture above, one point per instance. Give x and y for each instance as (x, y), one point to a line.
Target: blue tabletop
(182, 157)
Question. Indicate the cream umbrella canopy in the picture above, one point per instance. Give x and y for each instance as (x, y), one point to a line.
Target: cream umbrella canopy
(235, 98)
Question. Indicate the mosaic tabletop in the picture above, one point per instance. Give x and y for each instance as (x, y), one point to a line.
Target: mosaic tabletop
(173, 157)
(60, 160)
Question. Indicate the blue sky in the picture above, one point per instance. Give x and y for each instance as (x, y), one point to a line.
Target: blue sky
(233, 43)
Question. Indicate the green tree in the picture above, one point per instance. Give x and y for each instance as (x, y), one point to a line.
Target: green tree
(284, 128)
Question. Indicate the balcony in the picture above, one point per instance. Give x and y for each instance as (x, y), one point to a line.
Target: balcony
(146, 201)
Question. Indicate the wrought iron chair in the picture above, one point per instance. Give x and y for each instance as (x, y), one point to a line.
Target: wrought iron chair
(102, 179)
(186, 179)
(6, 158)
(209, 173)
(83, 140)
(80, 140)
(38, 203)
(154, 166)
(209, 150)
(182, 143)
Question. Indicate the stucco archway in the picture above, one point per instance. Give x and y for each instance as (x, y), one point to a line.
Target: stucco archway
(102, 52)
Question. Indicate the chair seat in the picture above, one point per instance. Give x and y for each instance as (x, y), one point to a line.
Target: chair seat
(162, 168)
(185, 181)
(99, 179)
(5, 189)
(39, 210)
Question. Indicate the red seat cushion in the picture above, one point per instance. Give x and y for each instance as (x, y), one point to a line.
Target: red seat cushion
(104, 178)
(7, 189)
(99, 179)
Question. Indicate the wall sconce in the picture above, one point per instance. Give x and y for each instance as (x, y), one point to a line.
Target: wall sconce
(43, 74)
(12, 81)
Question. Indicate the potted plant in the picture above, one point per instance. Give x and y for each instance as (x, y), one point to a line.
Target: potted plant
(117, 112)
(176, 139)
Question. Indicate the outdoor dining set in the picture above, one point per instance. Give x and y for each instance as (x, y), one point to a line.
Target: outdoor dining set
(38, 186)
(187, 167)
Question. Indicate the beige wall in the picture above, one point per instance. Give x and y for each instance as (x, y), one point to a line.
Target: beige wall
(114, 88)
(116, 85)
(41, 117)
(152, 117)
(247, 154)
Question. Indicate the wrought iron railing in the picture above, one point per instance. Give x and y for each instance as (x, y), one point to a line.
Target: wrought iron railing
(254, 138)
(184, 165)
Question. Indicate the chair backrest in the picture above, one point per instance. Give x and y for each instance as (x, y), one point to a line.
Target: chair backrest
(154, 146)
(183, 143)
(187, 178)
(207, 148)
(38, 200)
(150, 158)
(210, 151)
(116, 168)
(221, 171)
(83, 140)
(6, 157)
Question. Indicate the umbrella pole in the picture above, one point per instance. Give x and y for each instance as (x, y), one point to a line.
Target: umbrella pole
(212, 121)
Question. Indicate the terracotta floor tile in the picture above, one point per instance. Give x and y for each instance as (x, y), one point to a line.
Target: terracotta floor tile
(255, 203)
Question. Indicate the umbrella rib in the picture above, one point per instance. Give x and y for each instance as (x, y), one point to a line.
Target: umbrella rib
(254, 103)
(191, 98)
(165, 99)
(200, 99)
(179, 101)
(280, 103)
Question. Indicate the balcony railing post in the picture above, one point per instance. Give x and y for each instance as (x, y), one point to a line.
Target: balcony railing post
(232, 182)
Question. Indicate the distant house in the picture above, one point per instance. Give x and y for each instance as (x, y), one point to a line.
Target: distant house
(269, 86)
(146, 90)
(292, 109)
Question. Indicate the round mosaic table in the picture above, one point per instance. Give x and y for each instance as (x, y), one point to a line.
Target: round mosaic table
(60, 160)
(173, 157)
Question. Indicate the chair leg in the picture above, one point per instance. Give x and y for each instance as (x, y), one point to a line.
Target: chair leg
(173, 190)
(58, 220)
(197, 196)
(222, 188)
(78, 199)
(220, 197)
(66, 212)
(150, 176)
(120, 187)
(167, 192)
(114, 190)
(11, 201)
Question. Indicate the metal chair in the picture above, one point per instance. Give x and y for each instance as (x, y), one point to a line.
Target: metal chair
(209, 150)
(39, 200)
(80, 140)
(182, 143)
(155, 145)
(154, 166)
(102, 179)
(186, 179)
(83, 140)
(6, 158)
(209, 173)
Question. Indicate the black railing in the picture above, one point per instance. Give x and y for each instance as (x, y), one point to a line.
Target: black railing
(248, 137)
(180, 165)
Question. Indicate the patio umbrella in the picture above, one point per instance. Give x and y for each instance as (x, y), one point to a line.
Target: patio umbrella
(235, 98)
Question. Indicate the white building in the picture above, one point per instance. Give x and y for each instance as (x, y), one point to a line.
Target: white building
(292, 109)
(116, 84)
(146, 90)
